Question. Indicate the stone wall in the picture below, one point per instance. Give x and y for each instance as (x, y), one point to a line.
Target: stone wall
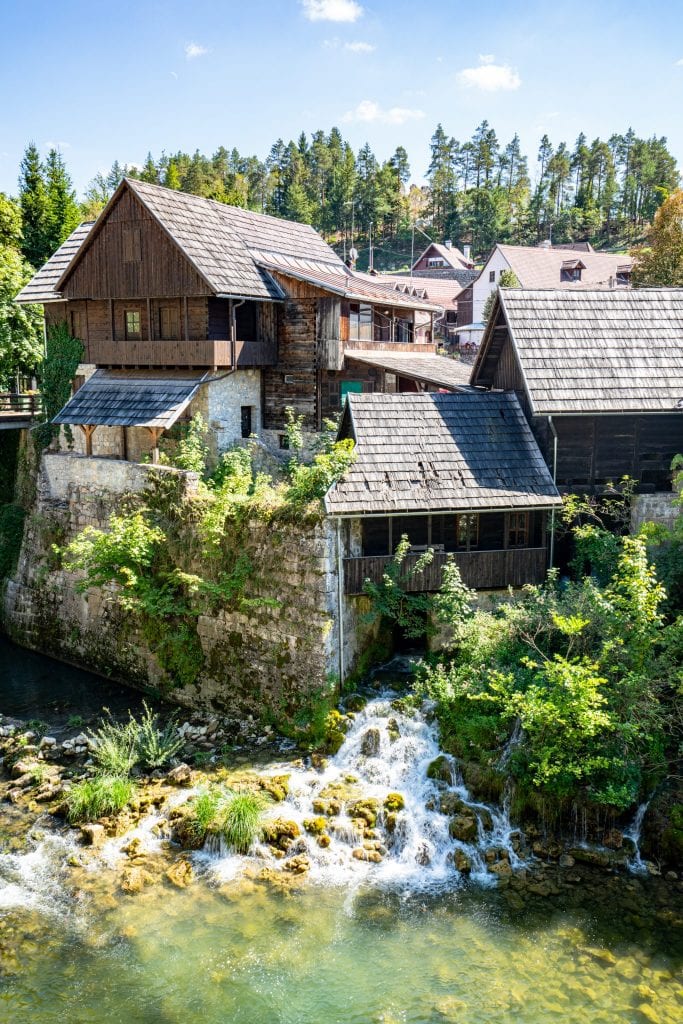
(654, 508)
(226, 396)
(274, 654)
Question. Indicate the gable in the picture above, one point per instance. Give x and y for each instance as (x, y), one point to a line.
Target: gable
(131, 256)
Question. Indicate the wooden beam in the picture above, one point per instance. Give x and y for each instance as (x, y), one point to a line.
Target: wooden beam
(88, 429)
(149, 319)
(155, 433)
(187, 322)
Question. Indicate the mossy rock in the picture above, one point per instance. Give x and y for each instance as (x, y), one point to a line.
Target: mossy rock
(184, 827)
(277, 786)
(451, 803)
(280, 833)
(329, 808)
(441, 769)
(394, 802)
(390, 822)
(355, 702)
(365, 809)
(463, 827)
(316, 826)
(393, 730)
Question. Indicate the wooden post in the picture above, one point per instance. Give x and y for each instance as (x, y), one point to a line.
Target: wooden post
(112, 323)
(88, 429)
(187, 321)
(155, 433)
(124, 444)
(149, 319)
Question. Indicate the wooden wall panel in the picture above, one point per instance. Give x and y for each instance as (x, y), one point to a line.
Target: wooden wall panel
(296, 359)
(104, 273)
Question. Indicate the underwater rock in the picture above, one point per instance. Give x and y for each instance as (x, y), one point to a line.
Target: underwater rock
(180, 873)
(93, 834)
(134, 879)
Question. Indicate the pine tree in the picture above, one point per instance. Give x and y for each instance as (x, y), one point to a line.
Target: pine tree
(33, 202)
(63, 210)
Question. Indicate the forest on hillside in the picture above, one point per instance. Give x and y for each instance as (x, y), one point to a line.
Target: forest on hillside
(479, 192)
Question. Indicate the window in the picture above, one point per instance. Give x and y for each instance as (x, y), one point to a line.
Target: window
(404, 331)
(492, 276)
(376, 536)
(571, 270)
(466, 531)
(132, 321)
(245, 419)
(132, 252)
(169, 323)
(435, 262)
(360, 322)
(77, 324)
(518, 530)
(245, 321)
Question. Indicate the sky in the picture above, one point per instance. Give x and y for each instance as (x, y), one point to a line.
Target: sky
(112, 81)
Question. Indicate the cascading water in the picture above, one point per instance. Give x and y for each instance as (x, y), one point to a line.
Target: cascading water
(412, 841)
(33, 879)
(636, 864)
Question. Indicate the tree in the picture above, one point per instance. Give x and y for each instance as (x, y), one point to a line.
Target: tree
(660, 262)
(33, 203)
(63, 214)
(10, 222)
(21, 343)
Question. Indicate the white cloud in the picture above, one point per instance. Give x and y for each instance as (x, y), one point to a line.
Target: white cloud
(194, 50)
(490, 77)
(368, 112)
(59, 146)
(174, 74)
(679, 63)
(360, 47)
(331, 10)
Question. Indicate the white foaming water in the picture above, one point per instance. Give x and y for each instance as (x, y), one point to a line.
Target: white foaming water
(385, 751)
(636, 864)
(33, 880)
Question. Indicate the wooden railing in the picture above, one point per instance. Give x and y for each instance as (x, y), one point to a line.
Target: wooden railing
(19, 406)
(391, 346)
(198, 352)
(482, 570)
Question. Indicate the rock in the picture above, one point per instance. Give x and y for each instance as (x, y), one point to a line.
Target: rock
(501, 868)
(181, 775)
(463, 828)
(319, 762)
(600, 955)
(22, 768)
(280, 833)
(613, 839)
(393, 730)
(370, 743)
(566, 861)
(180, 873)
(132, 847)
(48, 741)
(649, 1014)
(277, 786)
(390, 822)
(441, 769)
(316, 826)
(485, 817)
(93, 835)
(423, 857)
(134, 879)
(366, 809)
(298, 865)
(462, 862)
(394, 802)
(355, 702)
(323, 841)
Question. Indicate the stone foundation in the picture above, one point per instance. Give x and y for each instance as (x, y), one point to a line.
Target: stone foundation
(283, 650)
(654, 508)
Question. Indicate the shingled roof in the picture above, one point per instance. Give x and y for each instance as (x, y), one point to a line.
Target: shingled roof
(41, 287)
(591, 351)
(131, 398)
(226, 245)
(437, 453)
(448, 253)
(434, 369)
(541, 266)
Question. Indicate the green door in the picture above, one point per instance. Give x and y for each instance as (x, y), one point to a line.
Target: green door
(350, 387)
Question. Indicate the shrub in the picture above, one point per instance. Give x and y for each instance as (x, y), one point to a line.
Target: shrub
(116, 752)
(93, 798)
(202, 815)
(156, 746)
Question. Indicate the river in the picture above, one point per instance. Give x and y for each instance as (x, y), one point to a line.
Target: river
(409, 940)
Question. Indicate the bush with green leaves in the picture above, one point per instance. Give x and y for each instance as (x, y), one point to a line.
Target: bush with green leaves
(120, 747)
(156, 744)
(573, 668)
(94, 798)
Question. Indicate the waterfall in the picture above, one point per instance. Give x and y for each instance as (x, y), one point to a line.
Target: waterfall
(412, 842)
(636, 864)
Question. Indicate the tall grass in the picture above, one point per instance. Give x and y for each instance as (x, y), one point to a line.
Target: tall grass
(93, 798)
(156, 746)
(240, 820)
(120, 747)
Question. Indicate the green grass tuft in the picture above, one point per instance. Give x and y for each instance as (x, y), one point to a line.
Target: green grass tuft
(93, 798)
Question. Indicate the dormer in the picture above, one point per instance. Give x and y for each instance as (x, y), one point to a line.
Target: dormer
(571, 270)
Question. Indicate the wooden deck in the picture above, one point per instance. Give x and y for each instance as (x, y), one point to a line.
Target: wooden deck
(482, 570)
(18, 411)
(201, 352)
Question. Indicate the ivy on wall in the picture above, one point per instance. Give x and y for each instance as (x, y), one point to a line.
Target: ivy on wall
(63, 354)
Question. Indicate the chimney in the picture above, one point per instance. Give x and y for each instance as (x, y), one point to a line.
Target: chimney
(547, 244)
(466, 251)
(448, 243)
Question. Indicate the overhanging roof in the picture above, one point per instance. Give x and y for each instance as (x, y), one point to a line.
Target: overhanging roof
(131, 398)
(42, 286)
(440, 371)
(440, 453)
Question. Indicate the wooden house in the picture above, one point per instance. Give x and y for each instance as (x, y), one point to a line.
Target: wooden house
(460, 473)
(252, 313)
(439, 259)
(599, 375)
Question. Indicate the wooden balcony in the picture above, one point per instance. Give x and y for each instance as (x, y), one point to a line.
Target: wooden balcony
(481, 570)
(391, 346)
(19, 409)
(200, 352)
